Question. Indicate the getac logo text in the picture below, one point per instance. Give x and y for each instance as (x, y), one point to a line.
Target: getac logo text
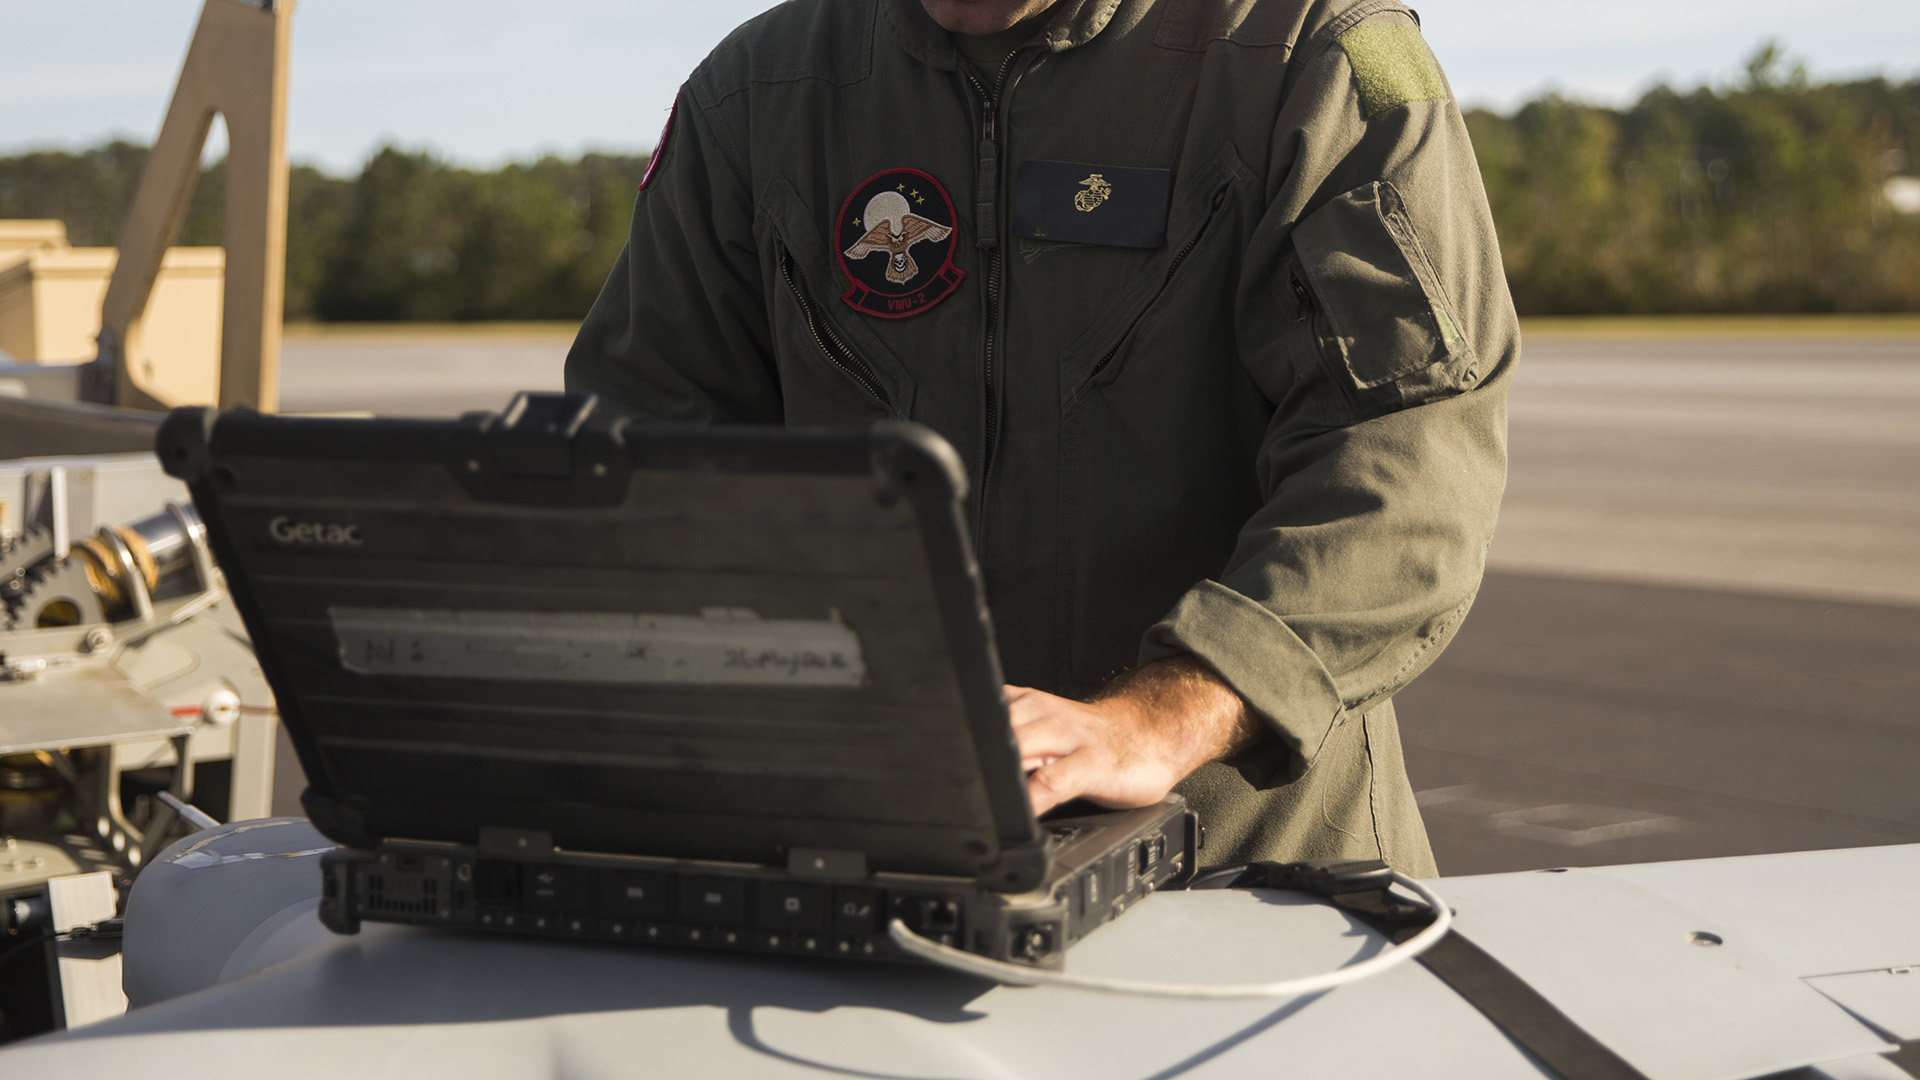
(315, 533)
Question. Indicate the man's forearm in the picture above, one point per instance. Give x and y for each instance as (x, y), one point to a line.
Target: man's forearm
(1191, 706)
(1129, 746)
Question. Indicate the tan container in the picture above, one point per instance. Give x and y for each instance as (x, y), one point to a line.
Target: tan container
(18, 238)
(50, 310)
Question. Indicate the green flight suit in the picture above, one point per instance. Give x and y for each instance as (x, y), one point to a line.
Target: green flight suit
(1275, 439)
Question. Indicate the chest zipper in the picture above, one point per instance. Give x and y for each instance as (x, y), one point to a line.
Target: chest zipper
(835, 350)
(989, 133)
(1166, 280)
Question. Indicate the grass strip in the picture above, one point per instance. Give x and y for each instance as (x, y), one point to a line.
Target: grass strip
(1722, 326)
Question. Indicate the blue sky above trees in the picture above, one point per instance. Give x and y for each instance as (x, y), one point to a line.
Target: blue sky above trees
(485, 81)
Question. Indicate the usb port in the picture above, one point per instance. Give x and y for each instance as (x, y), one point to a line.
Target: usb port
(1151, 852)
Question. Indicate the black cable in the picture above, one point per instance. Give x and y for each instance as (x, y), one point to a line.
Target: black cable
(108, 928)
(42, 936)
(1220, 877)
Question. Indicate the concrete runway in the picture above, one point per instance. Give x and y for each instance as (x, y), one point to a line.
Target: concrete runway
(413, 375)
(1785, 465)
(1700, 634)
(1700, 631)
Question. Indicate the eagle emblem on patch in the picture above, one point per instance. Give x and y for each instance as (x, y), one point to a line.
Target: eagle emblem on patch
(896, 239)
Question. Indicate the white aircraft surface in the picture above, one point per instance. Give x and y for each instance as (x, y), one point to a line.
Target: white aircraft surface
(1704, 970)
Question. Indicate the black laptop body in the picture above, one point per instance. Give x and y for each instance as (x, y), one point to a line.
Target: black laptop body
(552, 672)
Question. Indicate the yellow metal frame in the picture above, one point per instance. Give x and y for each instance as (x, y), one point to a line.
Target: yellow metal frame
(236, 68)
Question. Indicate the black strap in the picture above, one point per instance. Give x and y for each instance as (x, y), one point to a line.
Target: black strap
(1907, 1057)
(1518, 1009)
(1488, 985)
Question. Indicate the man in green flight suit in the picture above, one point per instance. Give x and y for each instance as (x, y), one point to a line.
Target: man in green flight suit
(1206, 295)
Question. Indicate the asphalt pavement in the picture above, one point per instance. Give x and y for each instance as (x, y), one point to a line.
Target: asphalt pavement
(1580, 723)
(1700, 629)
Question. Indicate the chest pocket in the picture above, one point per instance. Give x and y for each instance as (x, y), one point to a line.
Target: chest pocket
(828, 363)
(1381, 318)
(1198, 208)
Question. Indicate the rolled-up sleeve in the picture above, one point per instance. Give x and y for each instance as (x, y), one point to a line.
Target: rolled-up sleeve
(1374, 313)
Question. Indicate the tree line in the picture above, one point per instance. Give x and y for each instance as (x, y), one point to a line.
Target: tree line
(1770, 196)
(1765, 196)
(412, 238)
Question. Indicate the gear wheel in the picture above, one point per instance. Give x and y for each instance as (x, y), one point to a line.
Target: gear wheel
(18, 557)
(59, 594)
(20, 554)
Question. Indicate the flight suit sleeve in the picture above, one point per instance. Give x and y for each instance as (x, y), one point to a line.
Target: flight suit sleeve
(679, 331)
(1374, 313)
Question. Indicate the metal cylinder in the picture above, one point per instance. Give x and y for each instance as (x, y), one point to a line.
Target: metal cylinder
(126, 563)
(167, 538)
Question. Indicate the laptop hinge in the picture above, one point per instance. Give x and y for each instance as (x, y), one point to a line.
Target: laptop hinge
(534, 437)
(515, 843)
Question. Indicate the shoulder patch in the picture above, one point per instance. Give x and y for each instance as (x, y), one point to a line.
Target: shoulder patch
(1392, 66)
(660, 148)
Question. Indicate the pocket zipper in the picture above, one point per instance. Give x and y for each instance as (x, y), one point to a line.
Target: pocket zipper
(1173, 267)
(1307, 311)
(835, 350)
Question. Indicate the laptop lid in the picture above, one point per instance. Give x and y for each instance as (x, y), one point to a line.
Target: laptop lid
(700, 642)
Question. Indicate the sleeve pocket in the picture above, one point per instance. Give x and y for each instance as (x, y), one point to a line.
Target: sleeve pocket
(1382, 315)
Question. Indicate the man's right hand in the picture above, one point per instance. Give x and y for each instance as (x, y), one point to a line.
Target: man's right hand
(1128, 748)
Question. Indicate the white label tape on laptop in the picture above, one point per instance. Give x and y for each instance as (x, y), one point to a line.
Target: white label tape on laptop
(718, 647)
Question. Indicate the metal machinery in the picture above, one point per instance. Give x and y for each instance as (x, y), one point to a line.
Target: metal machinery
(123, 673)
(236, 68)
(125, 678)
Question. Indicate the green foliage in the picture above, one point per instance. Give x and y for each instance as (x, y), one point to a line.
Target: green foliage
(1763, 197)
(318, 209)
(1766, 196)
(421, 240)
(89, 191)
(411, 238)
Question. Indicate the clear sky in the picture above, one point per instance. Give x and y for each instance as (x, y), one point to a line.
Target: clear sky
(485, 81)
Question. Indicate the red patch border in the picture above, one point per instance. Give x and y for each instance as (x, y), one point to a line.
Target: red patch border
(660, 148)
(948, 276)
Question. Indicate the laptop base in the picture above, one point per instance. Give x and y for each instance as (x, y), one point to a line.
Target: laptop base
(517, 883)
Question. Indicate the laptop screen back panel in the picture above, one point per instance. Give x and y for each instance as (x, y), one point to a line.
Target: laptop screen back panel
(706, 643)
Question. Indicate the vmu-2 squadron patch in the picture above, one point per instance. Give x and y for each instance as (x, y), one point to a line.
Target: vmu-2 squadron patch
(896, 240)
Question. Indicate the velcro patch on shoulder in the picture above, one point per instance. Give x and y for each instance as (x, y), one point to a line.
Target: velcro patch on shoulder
(1392, 66)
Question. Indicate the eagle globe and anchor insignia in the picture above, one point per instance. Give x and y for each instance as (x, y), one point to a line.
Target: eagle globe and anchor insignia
(896, 241)
(1098, 191)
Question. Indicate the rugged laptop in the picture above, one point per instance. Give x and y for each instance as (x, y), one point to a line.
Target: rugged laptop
(551, 672)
